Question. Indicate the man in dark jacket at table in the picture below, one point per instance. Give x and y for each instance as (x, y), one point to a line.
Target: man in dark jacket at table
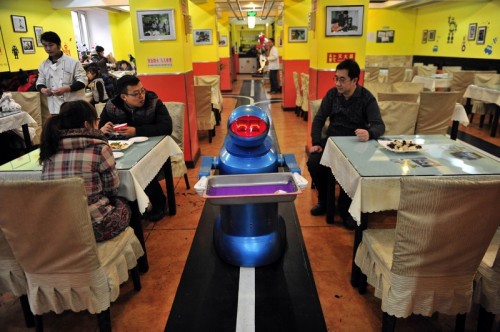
(145, 115)
(353, 111)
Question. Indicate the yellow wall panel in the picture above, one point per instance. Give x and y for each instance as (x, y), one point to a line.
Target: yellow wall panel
(203, 17)
(121, 35)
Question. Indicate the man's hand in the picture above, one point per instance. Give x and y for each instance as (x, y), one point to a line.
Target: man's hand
(363, 135)
(316, 149)
(60, 91)
(107, 128)
(46, 91)
(127, 131)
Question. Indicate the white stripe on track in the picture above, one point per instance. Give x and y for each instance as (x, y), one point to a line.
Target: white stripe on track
(252, 88)
(245, 319)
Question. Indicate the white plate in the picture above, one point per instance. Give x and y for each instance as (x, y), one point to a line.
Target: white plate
(120, 145)
(386, 143)
(118, 154)
(138, 139)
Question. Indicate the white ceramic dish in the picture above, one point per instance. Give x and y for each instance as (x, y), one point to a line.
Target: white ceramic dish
(118, 154)
(120, 145)
(385, 144)
(138, 139)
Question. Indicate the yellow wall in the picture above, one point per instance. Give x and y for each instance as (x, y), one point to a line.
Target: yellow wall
(121, 35)
(37, 13)
(223, 28)
(295, 16)
(179, 49)
(403, 24)
(203, 17)
(435, 17)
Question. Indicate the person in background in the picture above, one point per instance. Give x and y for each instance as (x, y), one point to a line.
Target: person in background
(274, 65)
(145, 115)
(124, 66)
(353, 111)
(96, 85)
(27, 82)
(61, 78)
(72, 146)
(102, 62)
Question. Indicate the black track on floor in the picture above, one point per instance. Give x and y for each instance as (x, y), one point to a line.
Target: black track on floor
(286, 298)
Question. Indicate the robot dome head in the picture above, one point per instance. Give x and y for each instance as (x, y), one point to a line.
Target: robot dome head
(248, 125)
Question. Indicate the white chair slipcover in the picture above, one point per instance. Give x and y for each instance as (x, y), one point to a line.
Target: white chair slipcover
(407, 87)
(376, 87)
(398, 96)
(435, 112)
(205, 117)
(298, 93)
(305, 93)
(399, 117)
(176, 111)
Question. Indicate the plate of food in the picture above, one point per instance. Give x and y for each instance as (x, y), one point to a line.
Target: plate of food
(401, 146)
(138, 139)
(118, 154)
(120, 145)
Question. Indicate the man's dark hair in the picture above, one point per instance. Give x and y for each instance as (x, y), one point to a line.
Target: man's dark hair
(99, 49)
(352, 68)
(51, 37)
(271, 39)
(125, 81)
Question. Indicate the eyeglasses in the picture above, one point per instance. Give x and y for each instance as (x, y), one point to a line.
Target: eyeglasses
(342, 79)
(141, 92)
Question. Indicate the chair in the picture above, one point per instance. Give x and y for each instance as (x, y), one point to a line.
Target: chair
(305, 94)
(51, 237)
(176, 111)
(487, 285)
(216, 95)
(298, 94)
(398, 96)
(371, 74)
(375, 87)
(315, 104)
(205, 118)
(427, 263)
(407, 87)
(399, 117)
(450, 70)
(435, 112)
(396, 74)
(426, 70)
(31, 103)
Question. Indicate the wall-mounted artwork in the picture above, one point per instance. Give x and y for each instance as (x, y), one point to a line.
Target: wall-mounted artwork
(297, 35)
(202, 37)
(472, 31)
(38, 35)
(481, 35)
(19, 23)
(28, 45)
(432, 35)
(385, 36)
(156, 24)
(223, 41)
(344, 21)
(424, 36)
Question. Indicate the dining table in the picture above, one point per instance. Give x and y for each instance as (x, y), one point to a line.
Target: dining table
(487, 93)
(370, 172)
(434, 82)
(137, 166)
(10, 120)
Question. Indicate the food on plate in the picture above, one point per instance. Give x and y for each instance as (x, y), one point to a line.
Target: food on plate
(403, 145)
(118, 145)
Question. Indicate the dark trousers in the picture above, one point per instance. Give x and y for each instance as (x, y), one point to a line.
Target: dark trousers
(273, 77)
(321, 176)
(155, 194)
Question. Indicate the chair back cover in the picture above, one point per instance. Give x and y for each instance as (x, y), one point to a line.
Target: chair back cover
(398, 96)
(315, 104)
(486, 78)
(371, 74)
(376, 87)
(214, 82)
(298, 92)
(12, 277)
(396, 74)
(30, 103)
(176, 111)
(450, 70)
(407, 87)
(435, 112)
(426, 70)
(459, 83)
(399, 117)
(205, 117)
(487, 279)
(305, 91)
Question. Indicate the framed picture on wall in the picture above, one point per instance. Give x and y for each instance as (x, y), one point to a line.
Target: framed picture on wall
(472, 31)
(481, 35)
(432, 35)
(156, 24)
(202, 37)
(38, 35)
(424, 36)
(19, 23)
(385, 36)
(223, 41)
(344, 21)
(297, 35)
(28, 45)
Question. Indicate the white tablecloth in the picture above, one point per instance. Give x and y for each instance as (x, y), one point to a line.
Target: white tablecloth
(483, 94)
(14, 121)
(433, 82)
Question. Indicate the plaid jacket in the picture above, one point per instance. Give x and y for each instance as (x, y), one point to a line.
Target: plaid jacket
(85, 153)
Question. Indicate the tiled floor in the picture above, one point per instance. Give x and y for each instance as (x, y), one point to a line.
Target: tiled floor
(168, 242)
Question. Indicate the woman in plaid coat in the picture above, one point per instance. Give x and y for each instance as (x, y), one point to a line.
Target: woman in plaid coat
(73, 146)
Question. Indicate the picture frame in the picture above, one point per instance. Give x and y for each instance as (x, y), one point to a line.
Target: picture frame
(202, 37)
(297, 35)
(424, 36)
(385, 36)
(344, 21)
(28, 45)
(156, 24)
(38, 35)
(471, 35)
(223, 41)
(481, 35)
(19, 23)
(431, 35)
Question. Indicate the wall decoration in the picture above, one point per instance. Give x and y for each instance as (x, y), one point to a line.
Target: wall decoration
(28, 45)
(385, 36)
(432, 35)
(452, 28)
(156, 24)
(297, 35)
(15, 51)
(203, 37)
(19, 23)
(481, 35)
(424, 36)
(38, 35)
(223, 41)
(344, 21)
(472, 31)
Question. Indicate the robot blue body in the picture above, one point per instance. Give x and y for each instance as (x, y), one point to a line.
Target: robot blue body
(249, 234)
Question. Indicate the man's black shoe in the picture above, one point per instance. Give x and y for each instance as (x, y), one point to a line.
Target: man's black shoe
(349, 222)
(318, 210)
(155, 215)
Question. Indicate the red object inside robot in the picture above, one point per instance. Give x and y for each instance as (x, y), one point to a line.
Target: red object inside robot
(248, 126)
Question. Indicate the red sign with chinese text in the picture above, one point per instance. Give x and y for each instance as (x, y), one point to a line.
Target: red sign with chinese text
(339, 57)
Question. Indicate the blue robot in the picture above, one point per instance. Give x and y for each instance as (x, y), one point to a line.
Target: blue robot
(249, 230)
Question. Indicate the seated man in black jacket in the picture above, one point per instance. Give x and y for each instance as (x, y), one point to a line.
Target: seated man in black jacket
(145, 115)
